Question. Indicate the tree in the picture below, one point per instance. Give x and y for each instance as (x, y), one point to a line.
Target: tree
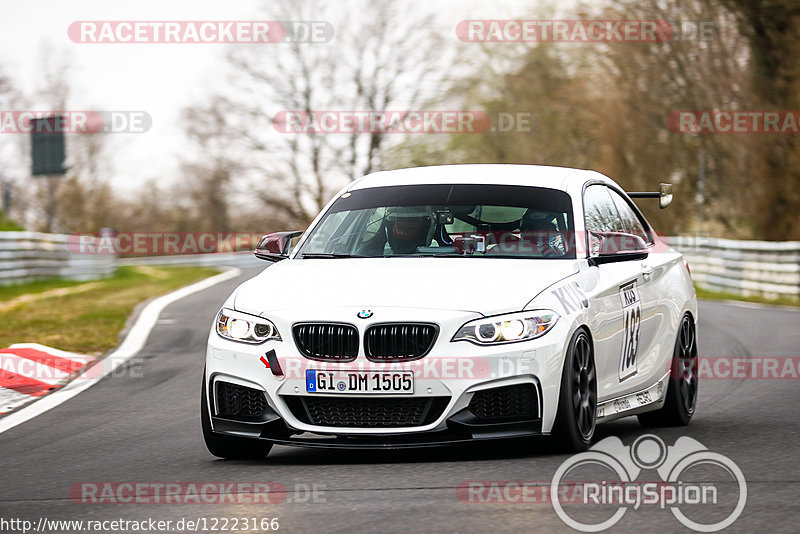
(8, 151)
(379, 59)
(82, 199)
(606, 107)
(693, 70)
(772, 28)
(211, 174)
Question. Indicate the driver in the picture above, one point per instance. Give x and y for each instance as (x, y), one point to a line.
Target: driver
(538, 227)
(409, 227)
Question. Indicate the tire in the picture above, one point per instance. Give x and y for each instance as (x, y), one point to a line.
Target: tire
(577, 403)
(681, 401)
(230, 447)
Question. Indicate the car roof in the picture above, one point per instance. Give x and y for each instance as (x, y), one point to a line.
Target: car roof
(484, 173)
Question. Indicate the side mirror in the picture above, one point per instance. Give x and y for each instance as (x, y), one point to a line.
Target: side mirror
(664, 195)
(275, 246)
(611, 247)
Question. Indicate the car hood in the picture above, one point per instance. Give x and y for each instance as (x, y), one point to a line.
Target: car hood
(484, 285)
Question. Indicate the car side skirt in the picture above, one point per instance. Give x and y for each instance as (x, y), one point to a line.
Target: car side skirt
(644, 400)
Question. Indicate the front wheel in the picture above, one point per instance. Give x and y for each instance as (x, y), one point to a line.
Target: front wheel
(577, 404)
(681, 401)
(230, 447)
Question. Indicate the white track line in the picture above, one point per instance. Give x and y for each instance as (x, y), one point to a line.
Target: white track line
(10, 399)
(132, 344)
(757, 305)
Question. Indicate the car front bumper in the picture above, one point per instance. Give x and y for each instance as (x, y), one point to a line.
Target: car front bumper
(452, 373)
(460, 428)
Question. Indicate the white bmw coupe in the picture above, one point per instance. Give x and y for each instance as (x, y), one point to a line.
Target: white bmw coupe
(435, 305)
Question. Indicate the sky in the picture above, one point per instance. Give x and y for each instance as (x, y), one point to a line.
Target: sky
(160, 79)
(157, 78)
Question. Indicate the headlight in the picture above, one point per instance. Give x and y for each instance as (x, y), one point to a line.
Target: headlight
(246, 328)
(507, 328)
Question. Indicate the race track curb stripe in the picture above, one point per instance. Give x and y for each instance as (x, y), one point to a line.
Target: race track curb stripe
(23, 384)
(48, 357)
(132, 344)
(34, 370)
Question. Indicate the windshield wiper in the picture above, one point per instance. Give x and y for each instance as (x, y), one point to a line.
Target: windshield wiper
(319, 255)
(440, 255)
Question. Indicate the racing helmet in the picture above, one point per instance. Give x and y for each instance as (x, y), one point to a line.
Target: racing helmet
(537, 221)
(538, 226)
(409, 227)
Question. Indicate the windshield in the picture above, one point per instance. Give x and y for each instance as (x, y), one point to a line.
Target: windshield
(446, 220)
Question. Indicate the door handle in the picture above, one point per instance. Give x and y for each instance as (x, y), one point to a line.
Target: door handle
(647, 271)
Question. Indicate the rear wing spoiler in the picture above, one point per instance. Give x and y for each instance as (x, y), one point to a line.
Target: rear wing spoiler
(664, 195)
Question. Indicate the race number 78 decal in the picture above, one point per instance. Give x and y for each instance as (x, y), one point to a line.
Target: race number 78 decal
(631, 321)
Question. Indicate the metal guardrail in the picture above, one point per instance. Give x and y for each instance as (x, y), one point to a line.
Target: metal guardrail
(762, 268)
(26, 256)
(238, 259)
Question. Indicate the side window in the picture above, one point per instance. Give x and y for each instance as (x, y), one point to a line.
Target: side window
(599, 211)
(630, 221)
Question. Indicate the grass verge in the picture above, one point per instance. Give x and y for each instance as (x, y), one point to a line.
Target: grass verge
(722, 295)
(85, 317)
(7, 225)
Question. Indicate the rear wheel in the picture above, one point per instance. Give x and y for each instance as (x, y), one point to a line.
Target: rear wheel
(231, 447)
(681, 401)
(577, 403)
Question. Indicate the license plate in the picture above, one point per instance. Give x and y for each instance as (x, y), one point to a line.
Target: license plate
(397, 382)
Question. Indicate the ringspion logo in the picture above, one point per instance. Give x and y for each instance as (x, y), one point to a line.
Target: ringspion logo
(679, 490)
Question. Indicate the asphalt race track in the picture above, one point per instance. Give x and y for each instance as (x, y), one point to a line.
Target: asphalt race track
(143, 426)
